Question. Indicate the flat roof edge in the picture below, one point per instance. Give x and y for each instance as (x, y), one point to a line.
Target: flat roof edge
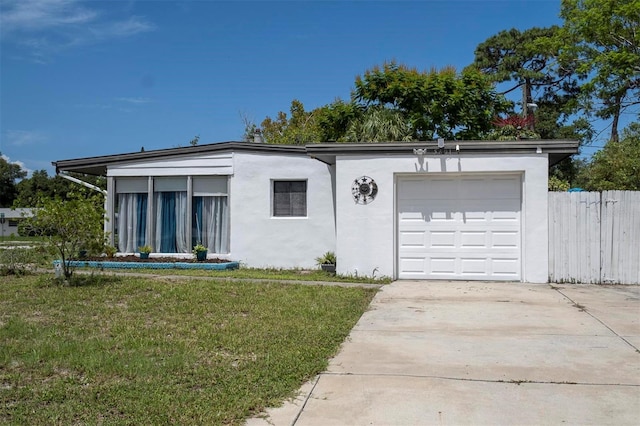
(322, 151)
(99, 162)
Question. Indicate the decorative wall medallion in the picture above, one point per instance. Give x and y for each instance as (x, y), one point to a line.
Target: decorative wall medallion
(364, 190)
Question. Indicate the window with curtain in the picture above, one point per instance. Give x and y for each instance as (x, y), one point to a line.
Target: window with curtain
(167, 209)
(170, 214)
(211, 223)
(131, 219)
(210, 214)
(290, 198)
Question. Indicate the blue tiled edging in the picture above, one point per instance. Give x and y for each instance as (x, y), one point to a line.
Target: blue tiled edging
(149, 265)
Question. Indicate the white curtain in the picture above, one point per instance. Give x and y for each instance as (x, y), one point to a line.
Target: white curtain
(215, 224)
(131, 223)
(182, 222)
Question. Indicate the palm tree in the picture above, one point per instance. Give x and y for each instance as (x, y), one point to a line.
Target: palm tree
(379, 124)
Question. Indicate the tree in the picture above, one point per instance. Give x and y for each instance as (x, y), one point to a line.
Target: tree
(441, 103)
(9, 173)
(527, 59)
(617, 165)
(31, 189)
(40, 184)
(298, 129)
(603, 38)
(70, 225)
(531, 60)
(334, 120)
(392, 103)
(379, 124)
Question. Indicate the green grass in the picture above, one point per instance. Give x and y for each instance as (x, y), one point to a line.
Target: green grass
(8, 238)
(10, 241)
(259, 274)
(116, 350)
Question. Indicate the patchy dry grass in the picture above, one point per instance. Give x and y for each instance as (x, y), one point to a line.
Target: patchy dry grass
(260, 274)
(140, 351)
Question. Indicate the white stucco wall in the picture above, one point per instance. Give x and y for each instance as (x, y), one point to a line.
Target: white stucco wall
(366, 234)
(260, 240)
(220, 163)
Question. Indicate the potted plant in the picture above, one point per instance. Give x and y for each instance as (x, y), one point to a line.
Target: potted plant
(144, 251)
(327, 262)
(200, 251)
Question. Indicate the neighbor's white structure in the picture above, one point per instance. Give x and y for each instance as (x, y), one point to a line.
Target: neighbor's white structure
(472, 210)
(10, 219)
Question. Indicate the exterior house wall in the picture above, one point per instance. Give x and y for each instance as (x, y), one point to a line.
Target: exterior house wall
(261, 240)
(256, 237)
(195, 165)
(10, 220)
(366, 234)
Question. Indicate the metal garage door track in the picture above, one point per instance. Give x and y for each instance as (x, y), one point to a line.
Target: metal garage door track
(482, 353)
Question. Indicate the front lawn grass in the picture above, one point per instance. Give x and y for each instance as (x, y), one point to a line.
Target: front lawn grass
(12, 238)
(260, 274)
(122, 350)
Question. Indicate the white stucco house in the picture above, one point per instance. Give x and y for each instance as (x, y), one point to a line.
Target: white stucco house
(10, 220)
(471, 210)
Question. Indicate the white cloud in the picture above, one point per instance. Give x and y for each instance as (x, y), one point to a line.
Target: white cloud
(39, 15)
(46, 27)
(135, 101)
(24, 137)
(126, 28)
(19, 163)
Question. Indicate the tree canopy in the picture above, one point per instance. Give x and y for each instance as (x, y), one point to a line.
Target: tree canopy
(30, 190)
(299, 128)
(616, 166)
(602, 37)
(437, 103)
(394, 102)
(9, 174)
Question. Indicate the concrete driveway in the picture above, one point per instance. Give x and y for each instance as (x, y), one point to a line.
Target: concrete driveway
(451, 353)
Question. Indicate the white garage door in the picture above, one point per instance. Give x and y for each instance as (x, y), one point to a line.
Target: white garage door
(464, 227)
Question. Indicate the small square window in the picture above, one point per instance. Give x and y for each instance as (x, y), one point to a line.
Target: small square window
(290, 198)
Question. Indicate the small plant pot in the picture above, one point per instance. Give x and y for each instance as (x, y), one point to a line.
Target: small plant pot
(144, 255)
(201, 255)
(328, 267)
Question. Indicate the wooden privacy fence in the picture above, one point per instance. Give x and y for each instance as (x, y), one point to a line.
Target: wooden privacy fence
(594, 237)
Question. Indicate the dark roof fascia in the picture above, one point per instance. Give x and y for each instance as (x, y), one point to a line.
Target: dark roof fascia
(98, 165)
(557, 149)
(327, 152)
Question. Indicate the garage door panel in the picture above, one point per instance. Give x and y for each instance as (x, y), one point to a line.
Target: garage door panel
(412, 239)
(414, 265)
(504, 239)
(460, 227)
(441, 239)
(472, 239)
(417, 190)
(441, 265)
(509, 267)
(474, 265)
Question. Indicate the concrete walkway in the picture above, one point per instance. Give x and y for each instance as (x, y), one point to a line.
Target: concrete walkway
(453, 353)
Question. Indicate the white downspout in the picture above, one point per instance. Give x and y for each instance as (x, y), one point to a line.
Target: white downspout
(83, 183)
(95, 188)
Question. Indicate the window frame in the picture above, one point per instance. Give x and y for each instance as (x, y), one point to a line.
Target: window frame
(275, 211)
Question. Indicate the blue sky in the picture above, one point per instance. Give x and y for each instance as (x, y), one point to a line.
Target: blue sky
(88, 78)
